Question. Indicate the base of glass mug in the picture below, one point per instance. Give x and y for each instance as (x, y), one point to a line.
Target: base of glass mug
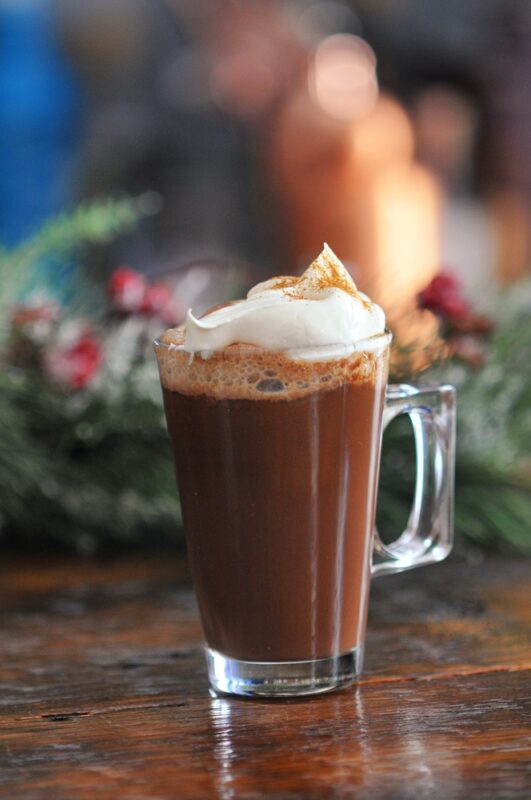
(282, 678)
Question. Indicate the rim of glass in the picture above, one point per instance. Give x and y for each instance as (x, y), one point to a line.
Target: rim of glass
(369, 344)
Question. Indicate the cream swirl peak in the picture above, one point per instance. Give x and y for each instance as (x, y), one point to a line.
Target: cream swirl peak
(322, 309)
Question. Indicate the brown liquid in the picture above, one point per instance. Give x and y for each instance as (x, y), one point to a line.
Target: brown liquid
(278, 500)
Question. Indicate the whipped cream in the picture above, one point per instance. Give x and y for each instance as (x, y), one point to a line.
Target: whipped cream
(319, 315)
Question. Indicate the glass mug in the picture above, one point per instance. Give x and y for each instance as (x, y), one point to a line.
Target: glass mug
(278, 497)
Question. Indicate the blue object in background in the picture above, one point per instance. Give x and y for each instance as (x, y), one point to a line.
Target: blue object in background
(40, 120)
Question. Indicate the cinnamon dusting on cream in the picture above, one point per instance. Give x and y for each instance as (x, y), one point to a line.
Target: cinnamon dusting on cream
(326, 272)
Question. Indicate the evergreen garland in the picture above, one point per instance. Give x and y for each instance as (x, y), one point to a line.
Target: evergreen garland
(493, 463)
(91, 468)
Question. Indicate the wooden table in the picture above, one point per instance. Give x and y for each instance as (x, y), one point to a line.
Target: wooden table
(104, 692)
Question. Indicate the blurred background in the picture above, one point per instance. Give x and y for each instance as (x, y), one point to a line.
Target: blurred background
(208, 145)
(397, 130)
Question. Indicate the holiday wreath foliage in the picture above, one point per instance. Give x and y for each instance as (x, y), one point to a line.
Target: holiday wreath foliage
(84, 456)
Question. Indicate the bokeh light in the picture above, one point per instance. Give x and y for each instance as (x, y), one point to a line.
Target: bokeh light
(243, 84)
(343, 77)
(384, 136)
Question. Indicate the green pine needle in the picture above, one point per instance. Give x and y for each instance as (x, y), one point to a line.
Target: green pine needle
(95, 222)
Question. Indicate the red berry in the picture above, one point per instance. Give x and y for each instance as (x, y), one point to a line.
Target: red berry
(76, 364)
(443, 296)
(159, 301)
(126, 289)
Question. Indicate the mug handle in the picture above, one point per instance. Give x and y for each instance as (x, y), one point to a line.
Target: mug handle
(428, 536)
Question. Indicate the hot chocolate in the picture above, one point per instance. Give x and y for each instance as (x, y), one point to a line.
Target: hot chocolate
(276, 452)
(275, 407)
(278, 504)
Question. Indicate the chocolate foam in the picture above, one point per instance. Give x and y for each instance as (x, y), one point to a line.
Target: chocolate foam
(248, 372)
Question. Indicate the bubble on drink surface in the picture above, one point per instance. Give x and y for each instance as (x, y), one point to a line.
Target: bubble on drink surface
(270, 385)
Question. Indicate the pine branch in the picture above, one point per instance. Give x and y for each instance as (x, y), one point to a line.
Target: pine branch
(94, 222)
(73, 470)
(493, 474)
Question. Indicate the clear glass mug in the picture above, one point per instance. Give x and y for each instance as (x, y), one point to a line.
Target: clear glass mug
(278, 496)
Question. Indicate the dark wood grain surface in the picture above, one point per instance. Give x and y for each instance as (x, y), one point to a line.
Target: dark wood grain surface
(103, 692)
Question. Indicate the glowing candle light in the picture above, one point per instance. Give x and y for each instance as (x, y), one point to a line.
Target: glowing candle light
(344, 172)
